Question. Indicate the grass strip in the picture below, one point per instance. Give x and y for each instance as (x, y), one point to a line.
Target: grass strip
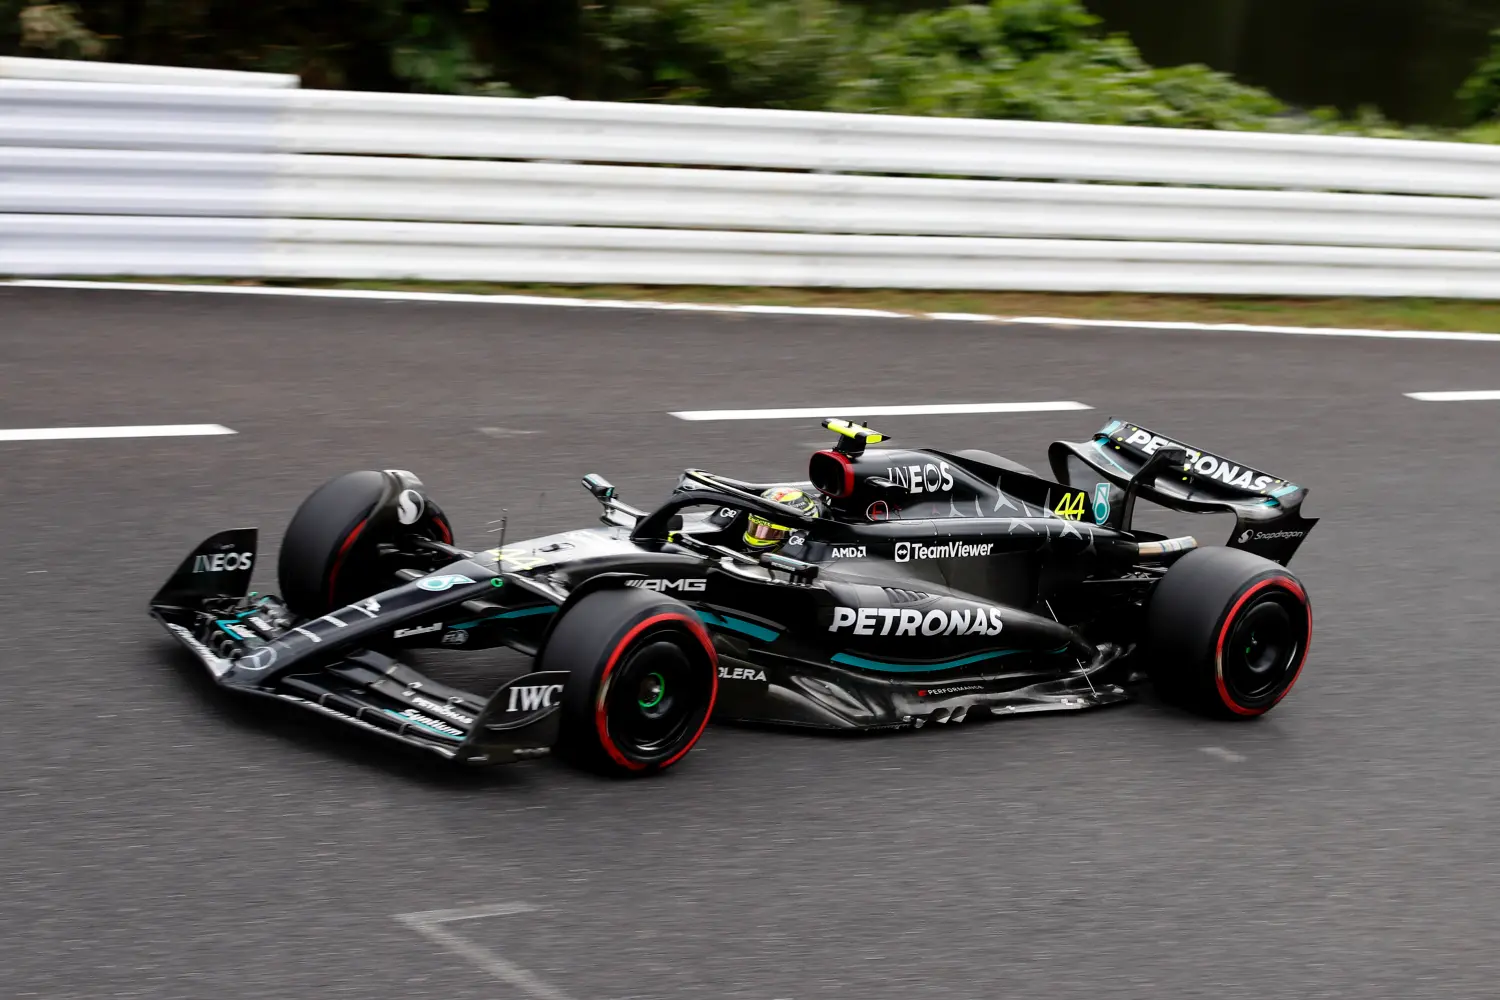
(1480, 316)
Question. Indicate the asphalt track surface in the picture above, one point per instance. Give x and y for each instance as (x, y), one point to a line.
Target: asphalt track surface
(160, 840)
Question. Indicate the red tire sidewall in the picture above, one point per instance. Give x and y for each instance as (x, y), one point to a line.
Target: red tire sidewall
(1282, 582)
(621, 646)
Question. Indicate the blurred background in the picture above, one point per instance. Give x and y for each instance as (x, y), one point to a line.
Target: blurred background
(1426, 68)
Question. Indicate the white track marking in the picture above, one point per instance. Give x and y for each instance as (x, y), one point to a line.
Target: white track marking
(465, 913)
(428, 924)
(709, 307)
(963, 317)
(1459, 396)
(1296, 331)
(86, 433)
(860, 412)
(1222, 754)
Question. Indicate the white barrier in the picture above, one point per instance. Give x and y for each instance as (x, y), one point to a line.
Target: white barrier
(268, 182)
(112, 182)
(44, 114)
(424, 125)
(41, 245)
(79, 71)
(312, 121)
(133, 245)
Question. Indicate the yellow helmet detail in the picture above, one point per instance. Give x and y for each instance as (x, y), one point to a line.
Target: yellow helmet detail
(762, 533)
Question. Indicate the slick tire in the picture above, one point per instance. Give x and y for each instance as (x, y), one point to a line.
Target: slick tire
(330, 553)
(642, 680)
(1227, 633)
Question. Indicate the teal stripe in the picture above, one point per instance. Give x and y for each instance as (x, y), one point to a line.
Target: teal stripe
(420, 725)
(1110, 458)
(737, 625)
(750, 629)
(1288, 488)
(917, 668)
(540, 609)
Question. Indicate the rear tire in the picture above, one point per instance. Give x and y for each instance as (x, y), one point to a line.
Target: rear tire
(642, 680)
(1227, 632)
(330, 553)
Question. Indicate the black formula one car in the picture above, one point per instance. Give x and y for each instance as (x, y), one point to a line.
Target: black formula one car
(922, 586)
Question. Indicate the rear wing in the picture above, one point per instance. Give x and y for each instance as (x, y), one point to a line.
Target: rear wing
(1133, 461)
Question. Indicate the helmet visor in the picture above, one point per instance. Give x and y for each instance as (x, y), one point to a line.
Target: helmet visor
(762, 532)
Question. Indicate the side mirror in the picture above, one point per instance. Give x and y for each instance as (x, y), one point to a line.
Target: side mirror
(600, 487)
(800, 572)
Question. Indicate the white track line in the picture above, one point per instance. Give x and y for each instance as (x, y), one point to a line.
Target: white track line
(1296, 331)
(365, 294)
(1460, 396)
(861, 412)
(465, 913)
(426, 923)
(84, 433)
(580, 303)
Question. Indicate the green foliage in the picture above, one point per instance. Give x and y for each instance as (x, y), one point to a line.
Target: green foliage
(1480, 93)
(54, 29)
(742, 53)
(1034, 59)
(364, 44)
(1041, 60)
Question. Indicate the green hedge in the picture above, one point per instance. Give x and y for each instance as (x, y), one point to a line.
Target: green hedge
(1042, 60)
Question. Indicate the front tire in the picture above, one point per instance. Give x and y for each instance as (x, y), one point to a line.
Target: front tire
(1228, 632)
(642, 680)
(330, 555)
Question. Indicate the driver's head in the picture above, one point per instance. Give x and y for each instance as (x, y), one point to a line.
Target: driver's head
(763, 533)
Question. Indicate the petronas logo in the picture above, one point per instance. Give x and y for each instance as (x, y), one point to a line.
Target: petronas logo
(1101, 503)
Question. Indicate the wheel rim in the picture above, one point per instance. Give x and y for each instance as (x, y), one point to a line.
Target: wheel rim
(1263, 649)
(653, 690)
(658, 696)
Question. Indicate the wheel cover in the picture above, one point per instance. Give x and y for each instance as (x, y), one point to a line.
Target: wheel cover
(1262, 646)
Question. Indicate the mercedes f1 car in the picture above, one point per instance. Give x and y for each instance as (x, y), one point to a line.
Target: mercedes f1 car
(922, 587)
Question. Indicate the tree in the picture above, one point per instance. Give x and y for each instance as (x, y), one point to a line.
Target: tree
(1480, 93)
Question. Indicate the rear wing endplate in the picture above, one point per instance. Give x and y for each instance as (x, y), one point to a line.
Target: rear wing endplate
(1136, 462)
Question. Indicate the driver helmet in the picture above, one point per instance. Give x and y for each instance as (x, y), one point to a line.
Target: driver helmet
(762, 533)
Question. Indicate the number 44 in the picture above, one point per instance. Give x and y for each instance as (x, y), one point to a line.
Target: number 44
(1071, 506)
